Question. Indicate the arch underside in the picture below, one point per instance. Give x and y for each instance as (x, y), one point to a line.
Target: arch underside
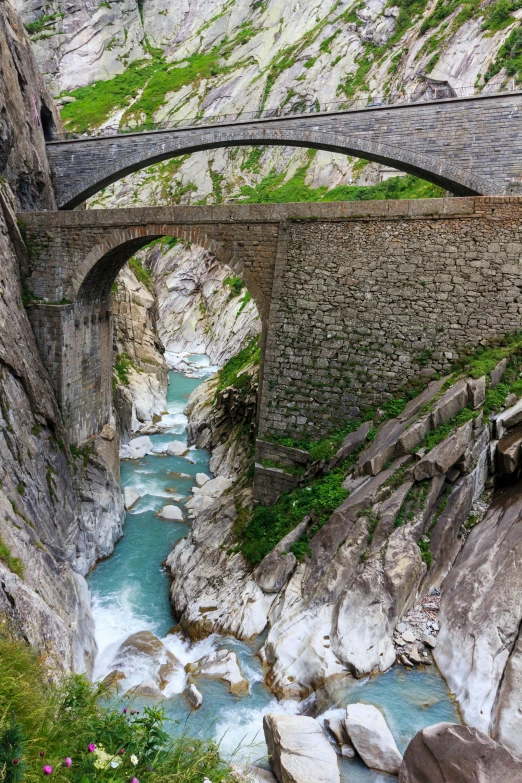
(97, 273)
(435, 169)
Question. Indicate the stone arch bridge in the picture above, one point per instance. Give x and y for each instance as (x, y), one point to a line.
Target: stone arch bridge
(467, 145)
(355, 298)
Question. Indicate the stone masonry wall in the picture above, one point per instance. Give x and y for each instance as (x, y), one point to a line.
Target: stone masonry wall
(355, 298)
(361, 306)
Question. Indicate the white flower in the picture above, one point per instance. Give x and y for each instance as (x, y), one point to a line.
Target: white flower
(206, 780)
(134, 759)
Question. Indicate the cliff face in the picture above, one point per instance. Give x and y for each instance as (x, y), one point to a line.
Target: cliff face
(59, 511)
(140, 377)
(26, 110)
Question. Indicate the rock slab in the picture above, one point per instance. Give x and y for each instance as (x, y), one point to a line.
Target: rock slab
(372, 738)
(299, 750)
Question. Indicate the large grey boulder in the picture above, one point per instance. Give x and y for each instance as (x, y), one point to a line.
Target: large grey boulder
(299, 750)
(372, 738)
(171, 513)
(221, 665)
(509, 450)
(130, 497)
(448, 753)
(450, 403)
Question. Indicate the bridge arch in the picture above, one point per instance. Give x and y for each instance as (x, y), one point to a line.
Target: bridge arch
(94, 276)
(131, 152)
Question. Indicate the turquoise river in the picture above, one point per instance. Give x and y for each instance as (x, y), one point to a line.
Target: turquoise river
(130, 593)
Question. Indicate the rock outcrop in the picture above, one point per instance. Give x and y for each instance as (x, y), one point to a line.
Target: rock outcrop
(141, 374)
(372, 739)
(447, 753)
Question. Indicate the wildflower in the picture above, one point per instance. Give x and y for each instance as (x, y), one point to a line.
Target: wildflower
(135, 780)
(42, 753)
(134, 759)
(67, 762)
(16, 761)
(133, 712)
(124, 710)
(115, 763)
(122, 751)
(91, 747)
(48, 770)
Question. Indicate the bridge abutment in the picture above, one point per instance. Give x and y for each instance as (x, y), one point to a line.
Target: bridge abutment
(75, 343)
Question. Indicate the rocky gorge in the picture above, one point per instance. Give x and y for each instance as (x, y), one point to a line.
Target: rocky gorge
(386, 552)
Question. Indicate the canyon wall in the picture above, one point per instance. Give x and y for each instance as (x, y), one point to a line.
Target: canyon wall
(60, 506)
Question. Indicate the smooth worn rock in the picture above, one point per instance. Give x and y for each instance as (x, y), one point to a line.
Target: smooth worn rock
(130, 497)
(414, 435)
(274, 570)
(214, 488)
(147, 688)
(508, 451)
(137, 448)
(143, 643)
(221, 665)
(372, 738)
(335, 726)
(299, 750)
(479, 658)
(177, 449)
(382, 449)
(352, 442)
(449, 753)
(112, 680)
(202, 478)
(171, 513)
(441, 458)
(193, 696)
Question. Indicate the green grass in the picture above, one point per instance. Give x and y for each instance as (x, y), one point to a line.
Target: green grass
(144, 275)
(42, 23)
(231, 373)
(269, 524)
(60, 719)
(500, 15)
(122, 364)
(509, 57)
(14, 564)
(235, 284)
(273, 190)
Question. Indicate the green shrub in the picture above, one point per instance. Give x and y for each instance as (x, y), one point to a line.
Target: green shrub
(142, 274)
(231, 373)
(60, 719)
(235, 284)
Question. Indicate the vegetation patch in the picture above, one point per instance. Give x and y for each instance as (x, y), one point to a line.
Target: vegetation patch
(143, 274)
(509, 57)
(62, 729)
(231, 374)
(122, 364)
(14, 564)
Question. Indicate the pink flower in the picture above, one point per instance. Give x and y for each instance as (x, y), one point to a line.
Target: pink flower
(42, 754)
(67, 762)
(125, 710)
(91, 747)
(135, 780)
(122, 751)
(48, 770)
(15, 761)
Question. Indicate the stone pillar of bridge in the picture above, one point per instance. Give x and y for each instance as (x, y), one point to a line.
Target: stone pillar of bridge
(75, 342)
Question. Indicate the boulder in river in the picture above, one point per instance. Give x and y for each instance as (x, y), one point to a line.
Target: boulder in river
(221, 665)
(372, 738)
(177, 449)
(448, 753)
(214, 488)
(193, 696)
(136, 448)
(202, 478)
(112, 680)
(130, 497)
(171, 513)
(147, 688)
(299, 750)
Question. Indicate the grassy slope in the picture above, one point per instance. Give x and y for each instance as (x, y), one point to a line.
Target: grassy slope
(43, 723)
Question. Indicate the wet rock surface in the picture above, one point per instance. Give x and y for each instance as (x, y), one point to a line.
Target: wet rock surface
(299, 750)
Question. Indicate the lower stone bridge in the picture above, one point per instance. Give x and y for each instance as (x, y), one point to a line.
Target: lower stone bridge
(355, 298)
(468, 145)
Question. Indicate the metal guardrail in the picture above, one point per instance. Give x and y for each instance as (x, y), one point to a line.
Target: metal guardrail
(368, 102)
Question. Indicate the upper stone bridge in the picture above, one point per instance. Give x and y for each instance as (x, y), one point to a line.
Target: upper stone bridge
(355, 298)
(470, 146)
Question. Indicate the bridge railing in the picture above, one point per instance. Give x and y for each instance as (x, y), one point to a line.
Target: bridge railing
(422, 94)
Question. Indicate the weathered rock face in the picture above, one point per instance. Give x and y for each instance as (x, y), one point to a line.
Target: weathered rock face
(372, 738)
(25, 103)
(481, 613)
(447, 753)
(142, 397)
(199, 312)
(223, 422)
(299, 750)
(58, 512)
